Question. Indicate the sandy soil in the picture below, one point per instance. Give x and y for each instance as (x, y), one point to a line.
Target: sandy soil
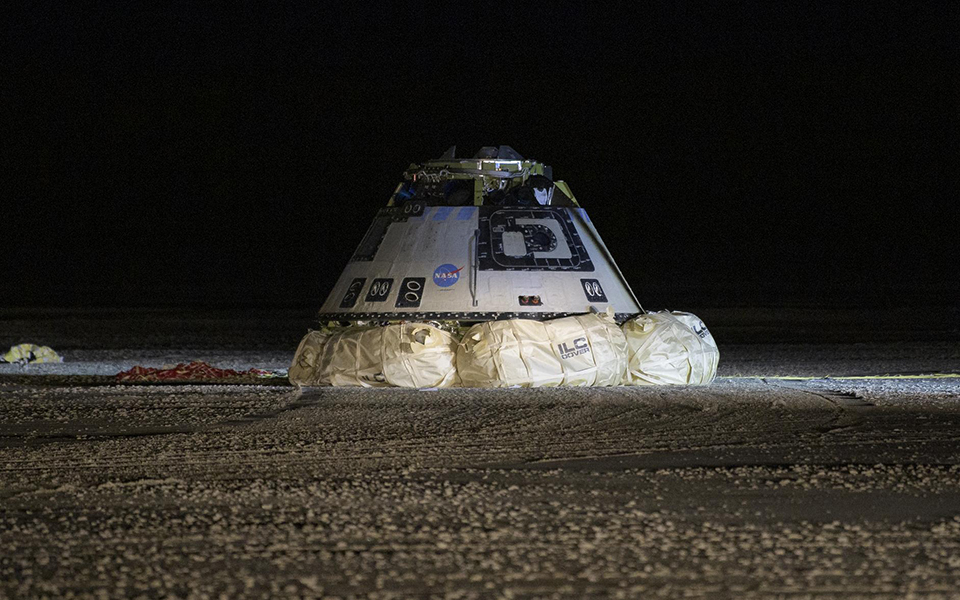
(751, 487)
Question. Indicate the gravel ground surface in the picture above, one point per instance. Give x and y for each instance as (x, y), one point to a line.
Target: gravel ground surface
(750, 487)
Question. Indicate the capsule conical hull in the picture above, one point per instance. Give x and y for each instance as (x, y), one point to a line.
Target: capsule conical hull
(477, 263)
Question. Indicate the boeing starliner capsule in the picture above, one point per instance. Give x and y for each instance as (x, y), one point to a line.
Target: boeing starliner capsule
(470, 240)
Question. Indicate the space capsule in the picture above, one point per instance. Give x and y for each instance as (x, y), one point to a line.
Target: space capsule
(491, 237)
(482, 272)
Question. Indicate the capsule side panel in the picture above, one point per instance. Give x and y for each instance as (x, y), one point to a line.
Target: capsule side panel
(456, 261)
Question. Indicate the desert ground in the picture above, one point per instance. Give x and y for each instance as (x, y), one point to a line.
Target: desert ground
(790, 476)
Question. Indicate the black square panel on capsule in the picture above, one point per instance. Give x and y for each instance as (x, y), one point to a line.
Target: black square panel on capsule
(592, 290)
(539, 231)
(379, 290)
(353, 293)
(411, 292)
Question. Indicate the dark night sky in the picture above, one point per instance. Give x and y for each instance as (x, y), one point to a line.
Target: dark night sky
(755, 153)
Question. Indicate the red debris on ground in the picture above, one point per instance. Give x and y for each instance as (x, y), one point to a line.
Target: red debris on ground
(194, 371)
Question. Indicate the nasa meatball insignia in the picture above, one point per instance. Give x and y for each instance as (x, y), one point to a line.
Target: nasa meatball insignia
(446, 275)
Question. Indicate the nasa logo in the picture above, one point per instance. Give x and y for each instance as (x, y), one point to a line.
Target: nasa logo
(446, 275)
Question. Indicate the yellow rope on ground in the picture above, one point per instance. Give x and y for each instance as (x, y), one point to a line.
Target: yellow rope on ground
(799, 378)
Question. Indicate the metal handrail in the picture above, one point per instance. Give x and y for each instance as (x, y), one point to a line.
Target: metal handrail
(475, 271)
